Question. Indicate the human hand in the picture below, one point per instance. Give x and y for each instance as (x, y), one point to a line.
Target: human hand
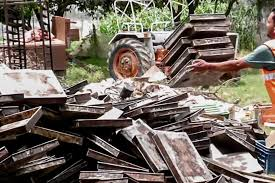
(199, 65)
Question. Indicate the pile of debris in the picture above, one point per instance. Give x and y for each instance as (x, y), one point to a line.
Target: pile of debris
(124, 131)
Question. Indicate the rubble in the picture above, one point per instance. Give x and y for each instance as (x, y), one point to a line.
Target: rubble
(92, 133)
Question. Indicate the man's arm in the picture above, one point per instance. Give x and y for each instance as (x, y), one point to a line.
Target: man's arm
(227, 66)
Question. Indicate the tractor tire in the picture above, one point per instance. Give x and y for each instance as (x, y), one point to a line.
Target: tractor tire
(128, 58)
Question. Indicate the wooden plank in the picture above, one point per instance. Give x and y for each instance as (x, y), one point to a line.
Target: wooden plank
(150, 153)
(61, 136)
(181, 157)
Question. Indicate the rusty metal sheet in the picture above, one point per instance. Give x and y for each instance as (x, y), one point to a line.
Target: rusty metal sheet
(104, 123)
(176, 51)
(262, 178)
(143, 103)
(182, 30)
(122, 180)
(34, 166)
(115, 167)
(21, 157)
(114, 113)
(181, 157)
(138, 128)
(19, 123)
(91, 176)
(217, 167)
(215, 42)
(109, 159)
(209, 31)
(68, 172)
(240, 161)
(3, 153)
(79, 110)
(167, 113)
(75, 88)
(173, 126)
(198, 135)
(146, 177)
(80, 98)
(111, 149)
(220, 54)
(206, 17)
(38, 86)
(150, 153)
(149, 109)
(61, 136)
(241, 141)
(5, 99)
(9, 110)
(219, 179)
(183, 59)
(175, 98)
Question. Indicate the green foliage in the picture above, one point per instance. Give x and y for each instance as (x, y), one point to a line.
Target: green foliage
(244, 22)
(76, 73)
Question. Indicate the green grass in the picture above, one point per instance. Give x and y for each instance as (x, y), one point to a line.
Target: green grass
(248, 90)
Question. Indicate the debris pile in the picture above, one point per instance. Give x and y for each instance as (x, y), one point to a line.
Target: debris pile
(124, 131)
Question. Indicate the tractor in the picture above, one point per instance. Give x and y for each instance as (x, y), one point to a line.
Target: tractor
(133, 49)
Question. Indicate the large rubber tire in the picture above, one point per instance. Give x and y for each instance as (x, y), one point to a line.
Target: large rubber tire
(137, 50)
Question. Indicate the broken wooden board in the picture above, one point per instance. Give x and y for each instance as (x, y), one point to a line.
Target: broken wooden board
(176, 51)
(22, 157)
(11, 98)
(38, 86)
(48, 164)
(103, 166)
(76, 111)
(68, 172)
(19, 123)
(111, 149)
(150, 153)
(240, 161)
(183, 59)
(102, 123)
(181, 157)
(211, 43)
(183, 30)
(61, 136)
(109, 159)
